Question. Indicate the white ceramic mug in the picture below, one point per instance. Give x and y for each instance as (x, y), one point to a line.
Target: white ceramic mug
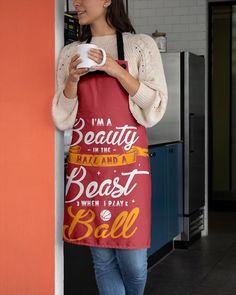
(86, 61)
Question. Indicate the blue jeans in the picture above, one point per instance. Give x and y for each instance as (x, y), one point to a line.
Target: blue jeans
(120, 271)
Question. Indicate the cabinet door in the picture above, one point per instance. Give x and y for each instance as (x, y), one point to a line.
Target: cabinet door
(174, 189)
(159, 227)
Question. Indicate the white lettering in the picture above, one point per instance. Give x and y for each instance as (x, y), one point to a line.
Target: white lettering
(126, 135)
(108, 187)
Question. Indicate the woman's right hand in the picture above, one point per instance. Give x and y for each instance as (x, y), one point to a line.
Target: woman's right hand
(70, 90)
(74, 73)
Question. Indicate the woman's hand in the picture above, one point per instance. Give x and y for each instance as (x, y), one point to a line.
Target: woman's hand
(70, 90)
(111, 67)
(74, 73)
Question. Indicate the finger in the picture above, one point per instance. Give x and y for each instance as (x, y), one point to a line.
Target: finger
(99, 68)
(95, 55)
(74, 57)
(93, 50)
(82, 71)
(98, 60)
(75, 63)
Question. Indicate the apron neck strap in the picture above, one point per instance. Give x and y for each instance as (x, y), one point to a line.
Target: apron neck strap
(89, 39)
(120, 45)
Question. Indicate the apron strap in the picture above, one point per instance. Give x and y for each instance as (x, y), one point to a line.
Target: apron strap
(89, 39)
(120, 45)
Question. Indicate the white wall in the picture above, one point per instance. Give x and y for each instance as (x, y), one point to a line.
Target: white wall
(184, 21)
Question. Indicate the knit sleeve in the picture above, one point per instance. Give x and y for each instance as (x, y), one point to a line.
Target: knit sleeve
(149, 103)
(63, 109)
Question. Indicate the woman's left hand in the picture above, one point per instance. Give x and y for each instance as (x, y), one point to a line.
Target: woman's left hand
(111, 67)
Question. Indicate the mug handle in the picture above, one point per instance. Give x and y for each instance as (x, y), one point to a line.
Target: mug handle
(102, 63)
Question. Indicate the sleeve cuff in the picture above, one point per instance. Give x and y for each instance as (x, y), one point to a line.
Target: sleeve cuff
(144, 97)
(67, 104)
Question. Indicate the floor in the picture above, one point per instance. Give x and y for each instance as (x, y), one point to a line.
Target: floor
(208, 267)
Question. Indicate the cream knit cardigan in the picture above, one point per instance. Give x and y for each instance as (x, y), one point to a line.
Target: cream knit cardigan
(149, 103)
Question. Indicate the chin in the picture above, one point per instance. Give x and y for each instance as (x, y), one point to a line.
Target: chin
(84, 22)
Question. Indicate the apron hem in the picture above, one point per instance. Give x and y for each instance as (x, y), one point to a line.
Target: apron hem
(108, 246)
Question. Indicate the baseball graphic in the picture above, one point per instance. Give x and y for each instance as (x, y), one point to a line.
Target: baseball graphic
(105, 215)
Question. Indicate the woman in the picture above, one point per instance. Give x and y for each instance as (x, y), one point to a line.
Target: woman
(108, 189)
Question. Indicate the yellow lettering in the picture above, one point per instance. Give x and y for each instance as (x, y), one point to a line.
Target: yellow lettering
(103, 233)
(76, 220)
(123, 221)
(118, 222)
(129, 222)
(124, 161)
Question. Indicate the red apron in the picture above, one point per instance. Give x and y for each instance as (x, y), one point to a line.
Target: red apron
(108, 185)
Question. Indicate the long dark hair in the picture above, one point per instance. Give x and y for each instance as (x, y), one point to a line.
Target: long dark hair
(115, 17)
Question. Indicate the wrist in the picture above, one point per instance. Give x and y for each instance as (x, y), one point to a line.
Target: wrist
(71, 80)
(130, 84)
(122, 74)
(70, 90)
